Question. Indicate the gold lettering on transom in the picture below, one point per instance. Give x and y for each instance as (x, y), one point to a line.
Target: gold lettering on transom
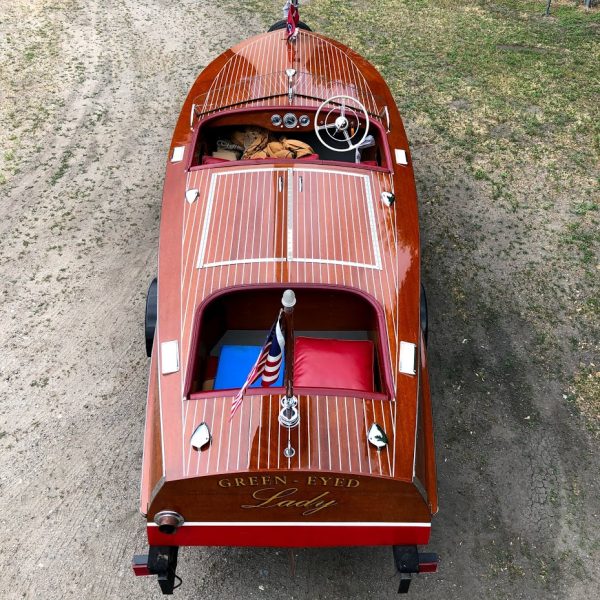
(270, 497)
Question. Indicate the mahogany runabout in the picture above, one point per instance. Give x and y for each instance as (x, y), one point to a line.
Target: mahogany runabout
(289, 169)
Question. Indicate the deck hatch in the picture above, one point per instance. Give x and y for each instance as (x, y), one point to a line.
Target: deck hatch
(335, 220)
(241, 219)
(251, 217)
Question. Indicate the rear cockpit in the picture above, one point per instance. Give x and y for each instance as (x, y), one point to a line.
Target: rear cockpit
(338, 342)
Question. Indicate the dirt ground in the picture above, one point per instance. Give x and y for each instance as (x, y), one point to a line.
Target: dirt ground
(89, 93)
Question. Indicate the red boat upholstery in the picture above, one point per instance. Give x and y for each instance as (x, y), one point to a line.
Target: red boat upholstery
(213, 160)
(336, 364)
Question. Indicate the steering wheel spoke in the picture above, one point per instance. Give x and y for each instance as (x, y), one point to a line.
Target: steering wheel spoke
(339, 105)
(326, 126)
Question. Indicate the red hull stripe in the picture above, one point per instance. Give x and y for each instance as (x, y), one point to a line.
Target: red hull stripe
(292, 534)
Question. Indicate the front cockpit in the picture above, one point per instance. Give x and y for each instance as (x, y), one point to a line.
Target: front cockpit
(290, 133)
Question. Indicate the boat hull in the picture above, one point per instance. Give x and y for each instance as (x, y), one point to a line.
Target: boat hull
(291, 508)
(343, 235)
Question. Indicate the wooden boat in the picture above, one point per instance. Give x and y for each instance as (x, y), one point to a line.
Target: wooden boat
(341, 451)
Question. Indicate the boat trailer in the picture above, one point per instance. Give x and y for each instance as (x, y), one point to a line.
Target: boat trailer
(162, 562)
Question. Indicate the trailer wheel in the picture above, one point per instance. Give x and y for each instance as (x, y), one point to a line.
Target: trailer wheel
(150, 321)
(423, 314)
(283, 25)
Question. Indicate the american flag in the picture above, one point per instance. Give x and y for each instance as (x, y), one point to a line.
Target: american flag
(268, 364)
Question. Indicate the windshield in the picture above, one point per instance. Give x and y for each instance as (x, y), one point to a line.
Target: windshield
(307, 89)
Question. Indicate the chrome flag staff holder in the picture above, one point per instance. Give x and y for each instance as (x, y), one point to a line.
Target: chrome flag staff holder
(288, 415)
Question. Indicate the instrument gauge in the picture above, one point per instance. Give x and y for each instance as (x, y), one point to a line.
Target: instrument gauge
(276, 120)
(304, 120)
(290, 120)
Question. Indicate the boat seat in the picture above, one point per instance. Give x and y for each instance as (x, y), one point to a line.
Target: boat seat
(235, 362)
(213, 160)
(335, 364)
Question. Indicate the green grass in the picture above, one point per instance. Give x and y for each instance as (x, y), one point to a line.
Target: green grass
(501, 107)
(585, 392)
(30, 72)
(511, 66)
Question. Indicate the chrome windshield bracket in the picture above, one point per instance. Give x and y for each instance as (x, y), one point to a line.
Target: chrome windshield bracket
(290, 74)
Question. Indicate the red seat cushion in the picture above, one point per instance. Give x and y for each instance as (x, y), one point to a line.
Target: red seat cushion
(337, 364)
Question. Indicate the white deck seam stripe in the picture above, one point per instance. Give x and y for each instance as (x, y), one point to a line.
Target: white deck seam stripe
(297, 524)
(207, 217)
(370, 208)
(290, 214)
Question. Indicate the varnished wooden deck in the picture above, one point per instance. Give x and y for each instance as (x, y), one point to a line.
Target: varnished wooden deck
(255, 74)
(287, 224)
(290, 225)
(331, 436)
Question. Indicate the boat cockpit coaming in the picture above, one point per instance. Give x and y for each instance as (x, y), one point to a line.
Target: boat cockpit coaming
(241, 317)
(217, 138)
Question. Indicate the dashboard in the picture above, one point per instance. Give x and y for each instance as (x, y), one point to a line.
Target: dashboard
(273, 120)
(300, 120)
(290, 120)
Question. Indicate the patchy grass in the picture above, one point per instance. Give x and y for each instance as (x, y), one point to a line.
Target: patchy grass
(584, 239)
(585, 392)
(29, 76)
(62, 167)
(500, 103)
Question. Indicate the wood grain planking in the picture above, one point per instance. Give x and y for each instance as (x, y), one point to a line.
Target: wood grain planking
(385, 285)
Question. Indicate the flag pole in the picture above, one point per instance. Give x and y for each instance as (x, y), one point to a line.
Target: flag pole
(289, 301)
(289, 416)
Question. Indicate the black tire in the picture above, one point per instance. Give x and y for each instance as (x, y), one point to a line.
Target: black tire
(283, 25)
(423, 314)
(151, 311)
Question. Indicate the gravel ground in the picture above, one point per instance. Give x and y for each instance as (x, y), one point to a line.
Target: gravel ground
(89, 93)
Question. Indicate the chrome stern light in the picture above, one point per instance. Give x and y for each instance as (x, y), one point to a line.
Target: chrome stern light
(168, 521)
(388, 198)
(192, 195)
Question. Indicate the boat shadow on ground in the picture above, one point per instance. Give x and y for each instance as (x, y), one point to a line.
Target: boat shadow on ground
(508, 449)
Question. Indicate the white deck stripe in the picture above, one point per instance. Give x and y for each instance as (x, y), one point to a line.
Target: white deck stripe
(374, 237)
(297, 524)
(325, 261)
(207, 215)
(241, 261)
(290, 214)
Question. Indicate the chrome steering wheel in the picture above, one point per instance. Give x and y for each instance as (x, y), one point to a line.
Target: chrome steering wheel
(339, 117)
